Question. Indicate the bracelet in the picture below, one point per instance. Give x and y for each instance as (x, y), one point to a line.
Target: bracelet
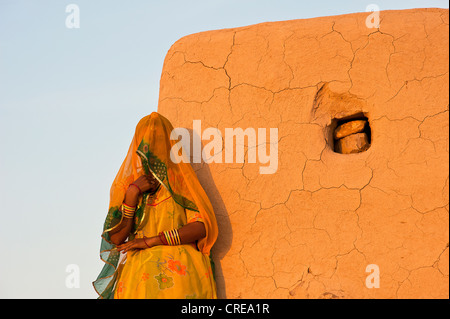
(172, 237)
(140, 191)
(145, 242)
(163, 238)
(129, 208)
(128, 216)
(128, 211)
(177, 237)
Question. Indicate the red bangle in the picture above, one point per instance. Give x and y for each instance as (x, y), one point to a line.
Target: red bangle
(145, 242)
(163, 238)
(140, 192)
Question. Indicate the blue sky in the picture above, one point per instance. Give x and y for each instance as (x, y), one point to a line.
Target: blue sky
(69, 103)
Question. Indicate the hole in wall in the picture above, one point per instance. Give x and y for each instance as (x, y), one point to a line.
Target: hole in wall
(350, 134)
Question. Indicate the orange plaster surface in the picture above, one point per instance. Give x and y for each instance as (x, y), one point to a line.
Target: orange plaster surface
(311, 229)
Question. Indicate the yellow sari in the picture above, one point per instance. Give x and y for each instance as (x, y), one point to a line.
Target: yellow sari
(182, 271)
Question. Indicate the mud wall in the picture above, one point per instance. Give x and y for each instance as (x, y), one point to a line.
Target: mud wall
(328, 221)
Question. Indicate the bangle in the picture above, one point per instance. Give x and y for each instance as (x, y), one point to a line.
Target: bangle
(128, 211)
(140, 192)
(129, 208)
(128, 216)
(167, 239)
(177, 237)
(171, 237)
(163, 238)
(145, 242)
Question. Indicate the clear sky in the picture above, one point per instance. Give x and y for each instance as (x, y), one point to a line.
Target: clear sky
(69, 103)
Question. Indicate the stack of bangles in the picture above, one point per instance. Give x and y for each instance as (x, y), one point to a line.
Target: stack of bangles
(170, 237)
(128, 211)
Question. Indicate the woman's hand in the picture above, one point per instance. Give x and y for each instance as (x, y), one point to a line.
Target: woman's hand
(137, 243)
(146, 183)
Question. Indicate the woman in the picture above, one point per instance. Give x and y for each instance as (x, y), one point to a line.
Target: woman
(165, 214)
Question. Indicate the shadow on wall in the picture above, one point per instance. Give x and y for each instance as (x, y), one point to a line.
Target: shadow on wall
(225, 237)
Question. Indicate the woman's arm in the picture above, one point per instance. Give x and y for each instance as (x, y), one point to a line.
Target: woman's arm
(144, 183)
(191, 232)
(188, 234)
(121, 232)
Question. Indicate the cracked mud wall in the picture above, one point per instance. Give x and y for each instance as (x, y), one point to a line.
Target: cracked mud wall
(311, 229)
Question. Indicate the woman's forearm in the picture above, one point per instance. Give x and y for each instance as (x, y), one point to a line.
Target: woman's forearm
(119, 234)
(188, 234)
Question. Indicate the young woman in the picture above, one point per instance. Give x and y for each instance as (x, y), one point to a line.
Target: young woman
(160, 225)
